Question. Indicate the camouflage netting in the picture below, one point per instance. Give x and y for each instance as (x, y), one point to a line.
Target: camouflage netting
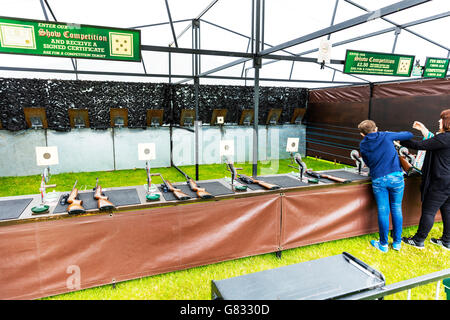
(58, 96)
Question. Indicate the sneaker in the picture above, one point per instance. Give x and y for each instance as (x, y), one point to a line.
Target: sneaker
(377, 245)
(413, 243)
(397, 246)
(439, 242)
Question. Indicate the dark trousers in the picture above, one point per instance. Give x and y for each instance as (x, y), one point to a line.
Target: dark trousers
(431, 204)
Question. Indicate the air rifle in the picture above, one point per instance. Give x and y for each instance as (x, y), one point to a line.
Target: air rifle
(201, 192)
(406, 160)
(250, 180)
(180, 195)
(102, 201)
(75, 205)
(326, 176)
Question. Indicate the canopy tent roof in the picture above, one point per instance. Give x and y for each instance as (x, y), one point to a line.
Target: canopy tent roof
(225, 26)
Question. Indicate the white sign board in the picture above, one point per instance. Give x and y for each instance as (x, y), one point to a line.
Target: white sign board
(47, 156)
(226, 148)
(292, 144)
(146, 151)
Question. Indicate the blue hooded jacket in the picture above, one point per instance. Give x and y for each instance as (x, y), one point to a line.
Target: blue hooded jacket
(379, 153)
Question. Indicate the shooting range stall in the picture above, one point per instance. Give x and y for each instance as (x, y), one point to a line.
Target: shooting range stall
(144, 239)
(40, 253)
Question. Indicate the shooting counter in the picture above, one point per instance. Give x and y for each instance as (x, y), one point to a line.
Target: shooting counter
(53, 253)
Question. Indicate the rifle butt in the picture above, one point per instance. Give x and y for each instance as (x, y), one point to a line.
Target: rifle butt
(268, 185)
(337, 179)
(406, 166)
(203, 194)
(180, 195)
(75, 207)
(104, 204)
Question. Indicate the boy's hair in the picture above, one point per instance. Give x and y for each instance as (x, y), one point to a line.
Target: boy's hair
(445, 116)
(367, 126)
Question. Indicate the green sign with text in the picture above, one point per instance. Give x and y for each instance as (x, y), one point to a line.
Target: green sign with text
(376, 63)
(22, 36)
(435, 68)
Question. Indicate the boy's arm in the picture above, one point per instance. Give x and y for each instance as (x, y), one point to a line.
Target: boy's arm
(402, 135)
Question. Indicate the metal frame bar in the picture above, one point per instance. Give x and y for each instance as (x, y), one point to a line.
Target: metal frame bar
(376, 33)
(201, 14)
(245, 56)
(171, 24)
(256, 66)
(397, 25)
(396, 7)
(169, 76)
(74, 61)
(196, 69)
(400, 286)
(268, 62)
(158, 24)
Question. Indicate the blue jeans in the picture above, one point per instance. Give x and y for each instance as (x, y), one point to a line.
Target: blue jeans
(388, 192)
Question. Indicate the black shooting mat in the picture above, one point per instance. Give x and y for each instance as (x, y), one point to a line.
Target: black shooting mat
(344, 174)
(284, 181)
(12, 209)
(121, 197)
(215, 188)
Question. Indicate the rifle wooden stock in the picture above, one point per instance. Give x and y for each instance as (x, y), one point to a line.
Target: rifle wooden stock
(405, 164)
(327, 176)
(180, 195)
(102, 201)
(261, 183)
(408, 167)
(75, 205)
(337, 179)
(201, 192)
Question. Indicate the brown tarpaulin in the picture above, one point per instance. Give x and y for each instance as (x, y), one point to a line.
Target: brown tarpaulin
(46, 258)
(39, 259)
(335, 213)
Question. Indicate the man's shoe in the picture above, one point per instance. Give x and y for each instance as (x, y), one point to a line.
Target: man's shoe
(439, 242)
(377, 245)
(413, 243)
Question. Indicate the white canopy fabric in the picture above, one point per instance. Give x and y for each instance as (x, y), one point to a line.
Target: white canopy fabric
(226, 25)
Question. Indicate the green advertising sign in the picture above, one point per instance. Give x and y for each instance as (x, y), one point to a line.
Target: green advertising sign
(376, 63)
(435, 68)
(57, 39)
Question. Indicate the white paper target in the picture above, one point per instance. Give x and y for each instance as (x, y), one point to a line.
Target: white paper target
(47, 156)
(226, 148)
(220, 120)
(324, 51)
(292, 145)
(147, 151)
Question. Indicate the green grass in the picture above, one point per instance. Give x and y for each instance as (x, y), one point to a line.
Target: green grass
(14, 186)
(178, 285)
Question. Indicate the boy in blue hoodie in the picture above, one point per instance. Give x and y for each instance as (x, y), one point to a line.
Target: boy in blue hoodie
(379, 153)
